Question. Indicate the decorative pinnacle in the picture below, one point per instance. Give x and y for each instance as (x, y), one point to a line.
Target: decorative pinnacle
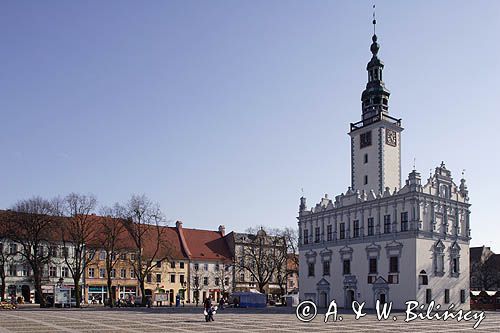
(374, 47)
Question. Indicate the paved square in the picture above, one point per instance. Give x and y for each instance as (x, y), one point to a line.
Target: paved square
(91, 320)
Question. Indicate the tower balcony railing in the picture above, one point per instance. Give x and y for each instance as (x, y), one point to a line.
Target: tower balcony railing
(378, 117)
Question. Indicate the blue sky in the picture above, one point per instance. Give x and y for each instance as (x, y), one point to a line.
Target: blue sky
(223, 110)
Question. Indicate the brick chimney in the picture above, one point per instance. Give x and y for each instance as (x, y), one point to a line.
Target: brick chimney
(222, 230)
(178, 224)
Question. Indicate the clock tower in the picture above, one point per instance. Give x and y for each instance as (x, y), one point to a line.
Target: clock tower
(376, 138)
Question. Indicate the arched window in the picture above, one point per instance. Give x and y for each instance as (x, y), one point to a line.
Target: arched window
(423, 279)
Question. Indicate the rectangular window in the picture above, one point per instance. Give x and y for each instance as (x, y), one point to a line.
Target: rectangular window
(13, 248)
(329, 232)
(158, 278)
(462, 296)
(447, 296)
(181, 278)
(196, 267)
(132, 274)
(366, 158)
(346, 267)
(356, 229)
(306, 236)
(172, 278)
(132, 256)
(387, 224)
(371, 279)
(366, 180)
(102, 255)
(91, 273)
(52, 271)
(65, 272)
(342, 230)
(149, 278)
(404, 221)
(365, 139)
(373, 266)
(316, 235)
(205, 267)
(217, 281)
(242, 277)
(113, 273)
(326, 268)
(123, 256)
(370, 226)
(158, 264)
(394, 265)
(428, 296)
(12, 270)
(310, 269)
(172, 264)
(181, 265)
(217, 267)
(226, 281)
(65, 252)
(196, 281)
(205, 281)
(26, 270)
(393, 278)
(455, 265)
(123, 273)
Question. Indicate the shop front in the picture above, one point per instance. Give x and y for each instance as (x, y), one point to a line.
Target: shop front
(97, 294)
(127, 292)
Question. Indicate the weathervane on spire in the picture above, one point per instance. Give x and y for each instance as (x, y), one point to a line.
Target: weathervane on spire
(374, 19)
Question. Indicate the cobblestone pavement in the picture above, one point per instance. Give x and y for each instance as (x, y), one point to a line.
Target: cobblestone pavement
(139, 321)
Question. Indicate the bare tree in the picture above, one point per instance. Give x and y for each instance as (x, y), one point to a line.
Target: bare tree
(5, 259)
(220, 274)
(111, 238)
(485, 275)
(78, 229)
(195, 284)
(31, 225)
(261, 256)
(145, 224)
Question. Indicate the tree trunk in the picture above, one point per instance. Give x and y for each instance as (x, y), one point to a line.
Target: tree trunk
(3, 285)
(143, 292)
(261, 287)
(39, 298)
(78, 298)
(111, 299)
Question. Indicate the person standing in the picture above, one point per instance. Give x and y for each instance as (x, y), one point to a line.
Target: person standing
(208, 309)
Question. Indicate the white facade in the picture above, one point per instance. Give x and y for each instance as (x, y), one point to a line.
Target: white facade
(19, 276)
(209, 278)
(381, 240)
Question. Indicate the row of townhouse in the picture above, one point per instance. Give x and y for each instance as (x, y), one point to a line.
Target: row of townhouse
(200, 264)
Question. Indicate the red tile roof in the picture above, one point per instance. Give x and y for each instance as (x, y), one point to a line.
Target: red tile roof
(206, 244)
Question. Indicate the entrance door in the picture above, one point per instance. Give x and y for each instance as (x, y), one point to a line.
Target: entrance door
(322, 299)
(382, 298)
(350, 298)
(25, 290)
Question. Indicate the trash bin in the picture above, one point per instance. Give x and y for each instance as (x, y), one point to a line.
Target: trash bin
(177, 301)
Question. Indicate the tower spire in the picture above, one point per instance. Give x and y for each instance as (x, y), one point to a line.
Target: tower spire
(375, 98)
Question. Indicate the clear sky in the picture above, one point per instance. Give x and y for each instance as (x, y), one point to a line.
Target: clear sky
(223, 110)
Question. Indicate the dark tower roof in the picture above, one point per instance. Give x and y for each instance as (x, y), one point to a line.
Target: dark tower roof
(375, 97)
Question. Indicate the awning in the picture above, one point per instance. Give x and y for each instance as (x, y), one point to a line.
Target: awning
(491, 293)
(475, 292)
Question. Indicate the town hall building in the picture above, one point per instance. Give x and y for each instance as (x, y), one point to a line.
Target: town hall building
(383, 239)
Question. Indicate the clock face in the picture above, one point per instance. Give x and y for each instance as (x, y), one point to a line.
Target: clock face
(391, 138)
